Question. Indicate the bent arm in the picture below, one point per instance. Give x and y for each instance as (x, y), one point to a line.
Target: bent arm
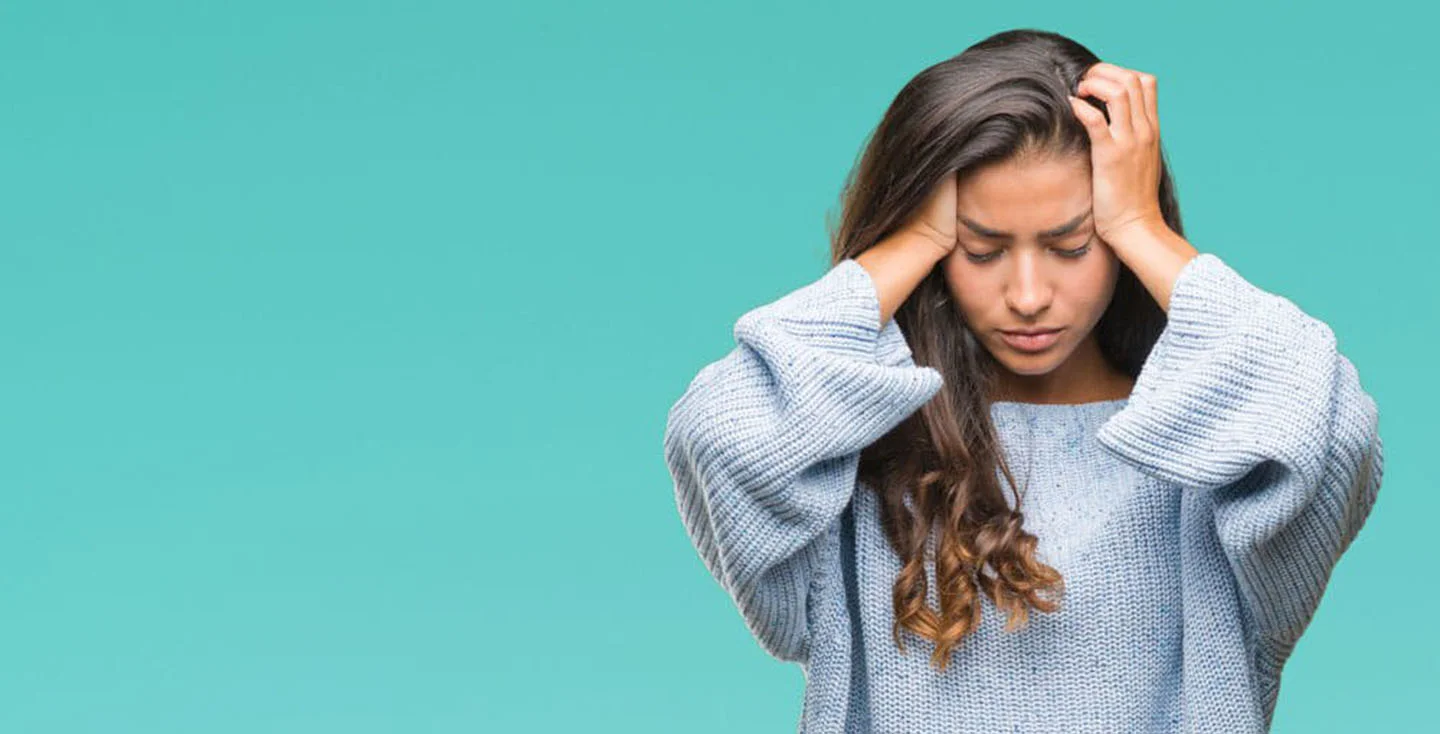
(764, 444)
(1247, 396)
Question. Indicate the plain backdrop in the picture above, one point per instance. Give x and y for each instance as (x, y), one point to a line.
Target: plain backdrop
(340, 336)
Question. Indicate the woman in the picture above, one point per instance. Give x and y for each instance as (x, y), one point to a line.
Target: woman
(1196, 452)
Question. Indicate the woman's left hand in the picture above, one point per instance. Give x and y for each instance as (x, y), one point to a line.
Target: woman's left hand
(1124, 153)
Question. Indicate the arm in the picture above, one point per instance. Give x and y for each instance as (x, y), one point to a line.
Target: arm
(1247, 396)
(764, 444)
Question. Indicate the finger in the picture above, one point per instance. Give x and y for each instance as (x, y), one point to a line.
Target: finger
(1116, 101)
(1152, 107)
(1135, 98)
(1093, 120)
(1106, 68)
(1143, 118)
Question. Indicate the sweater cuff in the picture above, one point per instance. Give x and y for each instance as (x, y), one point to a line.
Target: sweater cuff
(840, 314)
(1207, 301)
(1231, 381)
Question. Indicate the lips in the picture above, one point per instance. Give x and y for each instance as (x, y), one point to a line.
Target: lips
(1033, 341)
(1029, 332)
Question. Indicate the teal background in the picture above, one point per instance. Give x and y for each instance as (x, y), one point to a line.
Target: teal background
(340, 335)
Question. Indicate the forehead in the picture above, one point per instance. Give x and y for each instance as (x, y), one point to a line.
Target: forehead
(1025, 196)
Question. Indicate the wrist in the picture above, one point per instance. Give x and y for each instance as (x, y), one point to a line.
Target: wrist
(917, 245)
(1141, 235)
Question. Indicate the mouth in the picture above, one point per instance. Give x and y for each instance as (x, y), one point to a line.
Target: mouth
(1032, 340)
(1030, 332)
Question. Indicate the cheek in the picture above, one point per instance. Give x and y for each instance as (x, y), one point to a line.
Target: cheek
(970, 291)
(1092, 292)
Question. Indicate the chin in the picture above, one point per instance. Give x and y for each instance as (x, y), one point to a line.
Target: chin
(1029, 368)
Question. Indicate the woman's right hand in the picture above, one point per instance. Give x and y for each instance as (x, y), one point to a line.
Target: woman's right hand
(898, 263)
(936, 219)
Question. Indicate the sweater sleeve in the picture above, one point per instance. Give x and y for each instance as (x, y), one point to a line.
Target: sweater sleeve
(1246, 395)
(764, 444)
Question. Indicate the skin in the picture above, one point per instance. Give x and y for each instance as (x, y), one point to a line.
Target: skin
(1030, 281)
(1028, 284)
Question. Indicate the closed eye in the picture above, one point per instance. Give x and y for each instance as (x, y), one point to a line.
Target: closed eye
(1072, 254)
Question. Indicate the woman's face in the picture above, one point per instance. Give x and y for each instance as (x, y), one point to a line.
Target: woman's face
(1027, 258)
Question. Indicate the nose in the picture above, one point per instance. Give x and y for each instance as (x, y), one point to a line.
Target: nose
(1028, 292)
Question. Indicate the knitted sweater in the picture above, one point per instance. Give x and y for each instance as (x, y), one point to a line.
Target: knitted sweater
(1196, 522)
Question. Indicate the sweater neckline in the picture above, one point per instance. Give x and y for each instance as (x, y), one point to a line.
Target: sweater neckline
(1055, 420)
(1020, 406)
(1033, 431)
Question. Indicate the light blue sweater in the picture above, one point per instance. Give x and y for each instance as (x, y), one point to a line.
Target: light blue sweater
(1196, 522)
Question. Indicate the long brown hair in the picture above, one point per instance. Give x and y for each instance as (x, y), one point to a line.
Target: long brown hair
(1001, 98)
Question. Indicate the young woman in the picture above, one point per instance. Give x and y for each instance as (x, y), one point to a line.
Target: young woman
(1011, 294)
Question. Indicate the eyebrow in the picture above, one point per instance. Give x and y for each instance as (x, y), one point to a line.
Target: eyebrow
(1060, 231)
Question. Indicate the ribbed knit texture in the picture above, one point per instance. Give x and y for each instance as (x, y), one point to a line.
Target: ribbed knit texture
(1196, 522)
